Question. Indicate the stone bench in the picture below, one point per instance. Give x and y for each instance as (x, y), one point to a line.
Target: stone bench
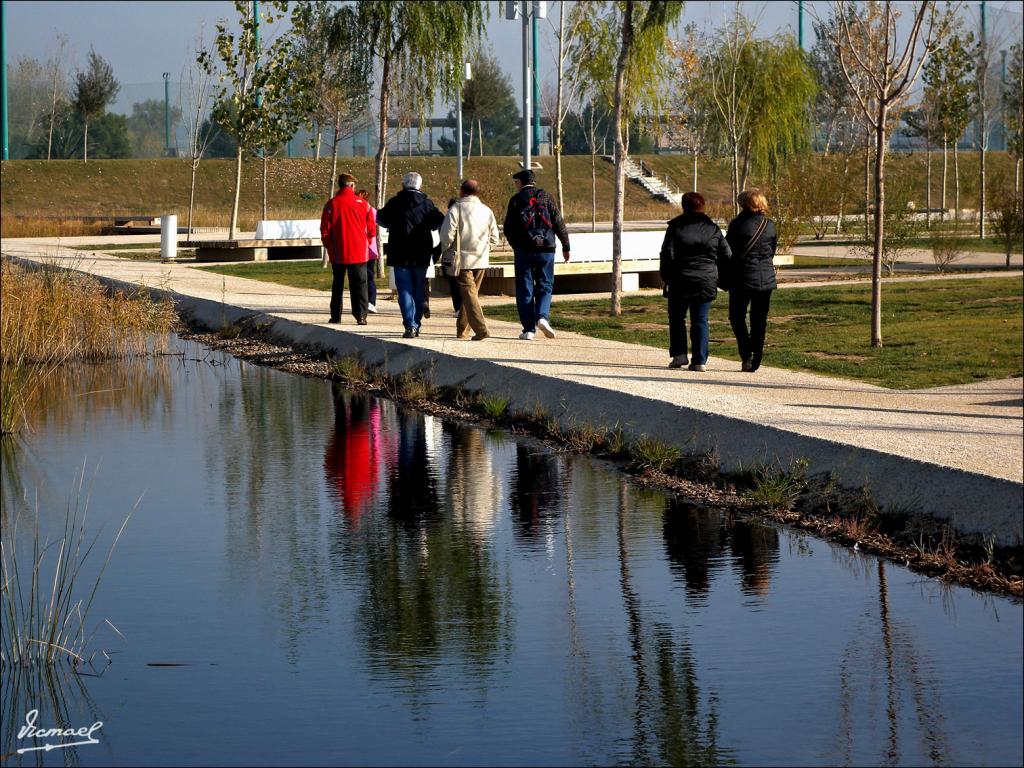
(281, 239)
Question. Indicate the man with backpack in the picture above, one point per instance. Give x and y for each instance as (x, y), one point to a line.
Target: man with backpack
(532, 224)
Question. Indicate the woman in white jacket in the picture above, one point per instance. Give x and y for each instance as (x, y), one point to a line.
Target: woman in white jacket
(467, 234)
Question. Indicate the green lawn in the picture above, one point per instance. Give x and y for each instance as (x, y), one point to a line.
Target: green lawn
(969, 244)
(805, 262)
(115, 246)
(936, 332)
(298, 274)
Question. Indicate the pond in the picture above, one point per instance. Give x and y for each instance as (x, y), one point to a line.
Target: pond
(316, 576)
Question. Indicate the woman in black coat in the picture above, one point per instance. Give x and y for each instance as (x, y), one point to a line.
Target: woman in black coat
(751, 280)
(692, 255)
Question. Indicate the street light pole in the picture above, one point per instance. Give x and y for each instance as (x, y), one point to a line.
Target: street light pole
(536, 80)
(167, 114)
(3, 74)
(525, 12)
(467, 75)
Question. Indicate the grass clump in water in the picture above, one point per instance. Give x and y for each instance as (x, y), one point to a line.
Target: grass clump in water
(494, 406)
(647, 454)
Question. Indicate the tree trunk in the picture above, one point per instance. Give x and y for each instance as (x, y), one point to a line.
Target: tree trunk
(480, 135)
(334, 155)
(53, 115)
(867, 183)
(928, 186)
(956, 183)
(694, 169)
(233, 226)
(85, 144)
(319, 134)
(620, 158)
(379, 182)
(746, 167)
(192, 194)
(945, 173)
(593, 190)
(264, 183)
(981, 178)
(734, 146)
(876, 256)
(469, 149)
(842, 192)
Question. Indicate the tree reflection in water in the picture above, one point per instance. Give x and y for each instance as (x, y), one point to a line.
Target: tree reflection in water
(671, 724)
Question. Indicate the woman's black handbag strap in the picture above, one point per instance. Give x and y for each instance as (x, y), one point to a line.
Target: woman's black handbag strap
(756, 237)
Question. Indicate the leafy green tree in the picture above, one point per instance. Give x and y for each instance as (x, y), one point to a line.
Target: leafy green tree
(146, 127)
(947, 79)
(630, 39)
(924, 123)
(264, 94)
(108, 137)
(1013, 112)
(334, 51)
(221, 143)
(489, 110)
(95, 88)
(421, 45)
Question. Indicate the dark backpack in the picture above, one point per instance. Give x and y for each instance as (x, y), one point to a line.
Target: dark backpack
(537, 223)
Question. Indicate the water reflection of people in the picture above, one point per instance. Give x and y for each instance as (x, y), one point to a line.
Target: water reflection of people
(536, 491)
(353, 453)
(697, 539)
(695, 542)
(756, 549)
(474, 488)
(412, 485)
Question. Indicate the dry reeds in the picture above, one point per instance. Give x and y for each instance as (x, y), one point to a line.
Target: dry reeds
(51, 316)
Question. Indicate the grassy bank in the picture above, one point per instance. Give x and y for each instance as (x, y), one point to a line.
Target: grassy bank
(297, 189)
(34, 191)
(936, 332)
(51, 316)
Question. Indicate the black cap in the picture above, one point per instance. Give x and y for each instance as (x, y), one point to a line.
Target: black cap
(526, 176)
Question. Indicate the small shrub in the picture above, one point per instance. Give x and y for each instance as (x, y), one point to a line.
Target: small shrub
(616, 441)
(776, 488)
(414, 387)
(351, 369)
(946, 249)
(229, 331)
(494, 406)
(583, 438)
(647, 454)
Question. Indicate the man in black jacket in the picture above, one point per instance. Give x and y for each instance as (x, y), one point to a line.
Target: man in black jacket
(532, 223)
(410, 218)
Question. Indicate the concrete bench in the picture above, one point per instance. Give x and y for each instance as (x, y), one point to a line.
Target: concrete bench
(281, 239)
(288, 229)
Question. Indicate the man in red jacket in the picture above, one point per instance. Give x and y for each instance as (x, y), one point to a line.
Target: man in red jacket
(346, 228)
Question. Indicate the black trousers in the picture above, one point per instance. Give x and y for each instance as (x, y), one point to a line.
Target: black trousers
(750, 342)
(356, 286)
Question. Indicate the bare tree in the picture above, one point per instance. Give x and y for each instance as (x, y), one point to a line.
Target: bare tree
(881, 65)
(568, 82)
(196, 98)
(58, 87)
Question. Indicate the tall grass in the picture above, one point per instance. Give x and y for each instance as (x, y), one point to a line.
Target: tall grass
(51, 316)
(44, 606)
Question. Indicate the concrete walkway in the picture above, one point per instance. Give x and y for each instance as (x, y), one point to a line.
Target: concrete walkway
(954, 452)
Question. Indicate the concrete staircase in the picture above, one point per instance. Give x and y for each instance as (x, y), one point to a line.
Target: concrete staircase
(640, 173)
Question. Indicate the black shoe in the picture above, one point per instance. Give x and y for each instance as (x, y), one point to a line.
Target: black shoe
(426, 312)
(409, 334)
(746, 366)
(417, 332)
(361, 321)
(335, 321)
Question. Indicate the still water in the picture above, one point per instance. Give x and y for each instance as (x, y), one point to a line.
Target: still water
(338, 580)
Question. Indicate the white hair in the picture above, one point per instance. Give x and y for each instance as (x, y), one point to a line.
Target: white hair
(412, 180)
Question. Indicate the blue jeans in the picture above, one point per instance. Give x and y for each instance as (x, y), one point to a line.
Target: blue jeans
(535, 280)
(371, 280)
(677, 309)
(411, 282)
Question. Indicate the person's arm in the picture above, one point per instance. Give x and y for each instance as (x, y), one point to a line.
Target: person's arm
(509, 225)
(724, 260)
(371, 224)
(773, 241)
(325, 227)
(665, 267)
(493, 233)
(448, 228)
(558, 224)
(384, 216)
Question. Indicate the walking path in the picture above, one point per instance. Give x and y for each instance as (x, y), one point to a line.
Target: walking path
(956, 451)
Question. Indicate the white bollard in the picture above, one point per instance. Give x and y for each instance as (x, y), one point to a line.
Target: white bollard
(168, 238)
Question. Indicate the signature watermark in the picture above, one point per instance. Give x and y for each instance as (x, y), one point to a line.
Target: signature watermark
(30, 730)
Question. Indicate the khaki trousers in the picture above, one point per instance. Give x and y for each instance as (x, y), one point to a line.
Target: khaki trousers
(471, 316)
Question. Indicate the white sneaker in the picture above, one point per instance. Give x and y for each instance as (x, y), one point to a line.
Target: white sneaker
(526, 335)
(546, 328)
(371, 308)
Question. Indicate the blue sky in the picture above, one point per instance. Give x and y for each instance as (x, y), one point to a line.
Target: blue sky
(144, 39)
